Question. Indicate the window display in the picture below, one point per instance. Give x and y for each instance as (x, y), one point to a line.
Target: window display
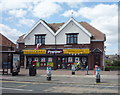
(76, 59)
(63, 60)
(36, 59)
(37, 64)
(70, 59)
(50, 59)
(42, 59)
(29, 60)
(84, 60)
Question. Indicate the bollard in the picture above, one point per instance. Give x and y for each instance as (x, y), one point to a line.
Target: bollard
(87, 70)
(48, 73)
(97, 75)
(95, 69)
(98, 78)
(73, 69)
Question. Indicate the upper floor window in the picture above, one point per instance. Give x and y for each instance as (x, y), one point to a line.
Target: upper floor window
(72, 38)
(40, 39)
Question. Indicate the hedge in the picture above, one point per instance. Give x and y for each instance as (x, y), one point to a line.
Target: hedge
(107, 68)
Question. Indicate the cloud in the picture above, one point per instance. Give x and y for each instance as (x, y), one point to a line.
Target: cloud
(17, 13)
(12, 4)
(70, 13)
(10, 33)
(104, 17)
(46, 9)
(28, 22)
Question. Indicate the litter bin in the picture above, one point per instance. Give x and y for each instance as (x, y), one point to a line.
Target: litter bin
(16, 69)
(14, 73)
(32, 71)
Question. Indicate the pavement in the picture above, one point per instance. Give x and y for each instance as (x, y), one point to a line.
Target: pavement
(63, 81)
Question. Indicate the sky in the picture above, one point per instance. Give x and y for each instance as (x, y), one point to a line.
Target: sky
(19, 16)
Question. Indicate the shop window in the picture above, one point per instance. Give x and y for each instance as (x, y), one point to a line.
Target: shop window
(42, 59)
(36, 59)
(76, 59)
(40, 39)
(84, 60)
(70, 59)
(72, 38)
(50, 59)
(29, 60)
(63, 60)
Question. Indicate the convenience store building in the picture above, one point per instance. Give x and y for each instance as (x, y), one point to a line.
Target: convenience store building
(62, 44)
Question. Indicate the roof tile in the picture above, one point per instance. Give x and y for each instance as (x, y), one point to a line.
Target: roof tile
(97, 35)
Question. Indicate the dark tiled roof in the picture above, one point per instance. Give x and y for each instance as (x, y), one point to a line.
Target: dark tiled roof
(97, 35)
(55, 26)
(4, 41)
(21, 40)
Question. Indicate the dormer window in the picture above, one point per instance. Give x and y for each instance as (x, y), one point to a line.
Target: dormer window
(40, 39)
(72, 38)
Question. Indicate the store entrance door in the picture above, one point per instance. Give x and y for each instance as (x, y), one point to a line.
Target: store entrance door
(97, 59)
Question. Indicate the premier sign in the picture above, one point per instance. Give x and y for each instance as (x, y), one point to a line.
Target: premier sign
(54, 51)
(57, 51)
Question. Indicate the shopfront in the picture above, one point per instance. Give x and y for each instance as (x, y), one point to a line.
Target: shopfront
(57, 58)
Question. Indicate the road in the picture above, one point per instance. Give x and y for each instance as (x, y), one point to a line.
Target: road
(61, 84)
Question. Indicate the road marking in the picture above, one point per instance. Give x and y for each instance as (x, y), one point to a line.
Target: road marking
(16, 89)
(15, 81)
(95, 84)
(22, 85)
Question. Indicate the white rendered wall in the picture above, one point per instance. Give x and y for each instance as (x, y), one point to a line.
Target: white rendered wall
(83, 38)
(40, 29)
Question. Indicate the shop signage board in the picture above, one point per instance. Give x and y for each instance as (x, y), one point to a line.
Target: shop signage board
(76, 51)
(58, 51)
(34, 51)
(54, 51)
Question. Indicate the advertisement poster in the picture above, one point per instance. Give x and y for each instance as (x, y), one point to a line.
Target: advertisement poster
(76, 59)
(70, 59)
(50, 64)
(42, 59)
(16, 62)
(50, 59)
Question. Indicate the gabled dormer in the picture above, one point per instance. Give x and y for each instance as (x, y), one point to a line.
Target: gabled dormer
(40, 32)
(72, 33)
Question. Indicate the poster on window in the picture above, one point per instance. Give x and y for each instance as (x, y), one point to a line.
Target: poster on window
(29, 60)
(84, 60)
(50, 59)
(76, 59)
(50, 64)
(70, 59)
(42, 59)
(36, 59)
(63, 60)
(16, 62)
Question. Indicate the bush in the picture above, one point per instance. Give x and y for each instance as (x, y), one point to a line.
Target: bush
(107, 68)
(116, 63)
(112, 63)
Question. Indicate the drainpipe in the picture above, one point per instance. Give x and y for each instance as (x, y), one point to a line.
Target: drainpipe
(55, 55)
(55, 42)
(104, 59)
